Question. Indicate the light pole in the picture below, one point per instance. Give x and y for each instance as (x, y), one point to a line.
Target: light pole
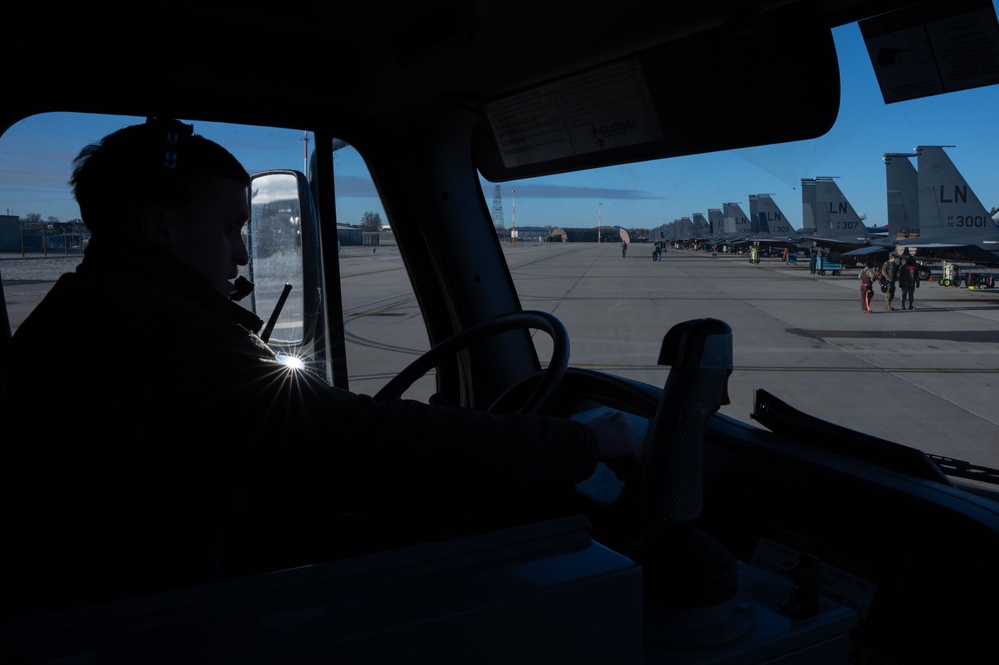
(513, 218)
(600, 208)
(305, 153)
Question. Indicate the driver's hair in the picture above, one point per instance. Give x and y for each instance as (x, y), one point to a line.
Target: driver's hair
(134, 168)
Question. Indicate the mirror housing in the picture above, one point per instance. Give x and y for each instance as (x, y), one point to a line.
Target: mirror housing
(283, 243)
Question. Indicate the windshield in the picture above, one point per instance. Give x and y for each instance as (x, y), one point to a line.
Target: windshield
(923, 376)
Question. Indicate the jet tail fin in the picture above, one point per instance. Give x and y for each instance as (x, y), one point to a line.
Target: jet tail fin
(946, 201)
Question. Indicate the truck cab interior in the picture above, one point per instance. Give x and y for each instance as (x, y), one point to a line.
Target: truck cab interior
(794, 538)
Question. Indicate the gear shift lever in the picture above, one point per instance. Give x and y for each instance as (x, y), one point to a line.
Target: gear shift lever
(699, 353)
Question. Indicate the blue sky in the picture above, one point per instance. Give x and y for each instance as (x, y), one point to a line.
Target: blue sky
(35, 157)
(650, 194)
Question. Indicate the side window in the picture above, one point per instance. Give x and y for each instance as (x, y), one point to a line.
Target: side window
(383, 324)
(42, 237)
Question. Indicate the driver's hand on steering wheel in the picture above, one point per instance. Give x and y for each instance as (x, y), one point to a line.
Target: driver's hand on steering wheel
(618, 445)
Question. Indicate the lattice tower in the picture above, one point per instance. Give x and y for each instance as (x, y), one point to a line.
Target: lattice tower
(498, 221)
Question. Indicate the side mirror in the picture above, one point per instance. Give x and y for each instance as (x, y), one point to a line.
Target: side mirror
(283, 242)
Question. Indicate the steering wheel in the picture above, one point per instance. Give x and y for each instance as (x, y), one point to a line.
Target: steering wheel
(529, 319)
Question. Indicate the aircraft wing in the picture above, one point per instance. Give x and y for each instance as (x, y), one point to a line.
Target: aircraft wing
(953, 252)
(790, 243)
(836, 243)
(868, 250)
(934, 250)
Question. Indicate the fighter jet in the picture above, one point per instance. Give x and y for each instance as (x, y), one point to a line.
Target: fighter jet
(933, 213)
(953, 223)
(769, 226)
(828, 219)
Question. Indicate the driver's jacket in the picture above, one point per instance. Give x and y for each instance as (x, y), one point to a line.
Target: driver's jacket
(161, 445)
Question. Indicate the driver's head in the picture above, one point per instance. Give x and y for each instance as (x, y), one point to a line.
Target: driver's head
(160, 183)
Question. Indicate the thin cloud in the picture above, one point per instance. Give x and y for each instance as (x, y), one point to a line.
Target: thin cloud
(576, 192)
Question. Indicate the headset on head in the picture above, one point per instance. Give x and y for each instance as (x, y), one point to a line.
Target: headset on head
(174, 132)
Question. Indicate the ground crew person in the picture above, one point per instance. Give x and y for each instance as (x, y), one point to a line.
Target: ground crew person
(889, 272)
(908, 280)
(868, 275)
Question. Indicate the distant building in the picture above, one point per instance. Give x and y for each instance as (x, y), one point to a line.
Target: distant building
(531, 233)
(41, 237)
(608, 233)
(10, 234)
(349, 235)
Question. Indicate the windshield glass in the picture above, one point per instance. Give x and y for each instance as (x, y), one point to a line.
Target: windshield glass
(923, 376)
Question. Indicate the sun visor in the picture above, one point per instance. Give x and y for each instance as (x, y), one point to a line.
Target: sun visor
(934, 48)
(759, 78)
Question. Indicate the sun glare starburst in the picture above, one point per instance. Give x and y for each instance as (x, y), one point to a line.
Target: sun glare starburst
(292, 362)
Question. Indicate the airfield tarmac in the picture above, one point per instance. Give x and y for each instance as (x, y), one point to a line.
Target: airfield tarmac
(926, 378)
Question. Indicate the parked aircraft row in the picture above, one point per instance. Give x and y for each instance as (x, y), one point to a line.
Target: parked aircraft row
(932, 213)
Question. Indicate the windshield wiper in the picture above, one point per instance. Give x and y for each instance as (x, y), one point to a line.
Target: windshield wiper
(962, 469)
(783, 419)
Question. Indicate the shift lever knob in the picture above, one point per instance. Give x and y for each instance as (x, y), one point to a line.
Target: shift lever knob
(699, 353)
